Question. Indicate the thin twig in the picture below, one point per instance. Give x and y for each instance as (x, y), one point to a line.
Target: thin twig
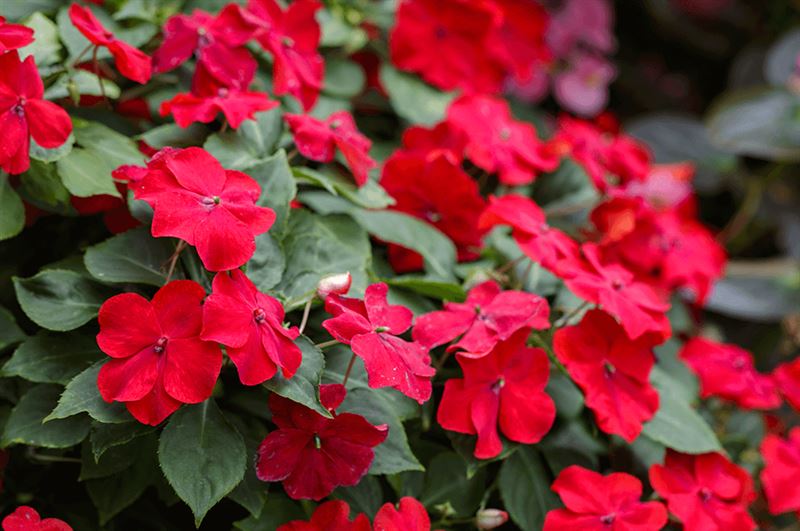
(564, 319)
(326, 344)
(439, 363)
(99, 79)
(291, 155)
(306, 312)
(349, 368)
(174, 259)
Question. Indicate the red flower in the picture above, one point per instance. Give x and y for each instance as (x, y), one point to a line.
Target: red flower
(637, 307)
(212, 208)
(319, 139)
(506, 387)
(519, 43)
(706, 492)
(787, 378)
(446, 42)
(159, 361)
(497, 143)
(408, 515)
(442, 139)
(14, 36)
(217, 42)
(131, 63)
(727, 371)
(612, 370)
(488, 316)
(23, 113)
(26, 518)
(540, 242)
(780, 472)
(312, 454)
(436, 190)
(371, 327)
(332, 515)
(209, 97)
(250, 324)
(292, 37)
(602, 503)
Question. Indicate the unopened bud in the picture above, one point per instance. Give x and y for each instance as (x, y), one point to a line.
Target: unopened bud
(338, 284)
(490, 518)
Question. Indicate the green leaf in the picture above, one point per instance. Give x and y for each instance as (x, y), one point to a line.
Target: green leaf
(525, 488)
(116, 459)
(202, 456)
(571, 444)
(20, 10)
(81, 82)
(115, 149)
(59, 300)
(568, 189)
(278, 510)
(133, 256)
(266, 266)
(366, 497)
(42, 186)
(379, 406)
(447, 291)
(565, 394)
(251, 492)
(12, 211)
(414, 100)
(52, 358)
(278, 188)
(10, 333)
(303, 387)
(761, 123)
(447, 482)
(781, 58)
(436, 249)
(253, 142)
(103, 437)
(41, 154)
(81, 395)
(26, 426)
(46, 48)
(343, 78)
(370, 195)
(85, 173)
(316, 246)
(677, 425)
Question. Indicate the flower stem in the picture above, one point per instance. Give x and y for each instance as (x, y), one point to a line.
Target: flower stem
(306, 312)
(174, 260)
(349, 369)
(326, 344)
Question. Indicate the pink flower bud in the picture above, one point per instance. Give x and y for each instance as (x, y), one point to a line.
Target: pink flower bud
(338, 284)
(490, 518)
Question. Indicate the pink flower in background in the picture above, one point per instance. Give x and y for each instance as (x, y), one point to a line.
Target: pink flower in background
(583, 86)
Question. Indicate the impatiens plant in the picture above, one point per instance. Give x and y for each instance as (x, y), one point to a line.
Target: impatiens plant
(394, 266)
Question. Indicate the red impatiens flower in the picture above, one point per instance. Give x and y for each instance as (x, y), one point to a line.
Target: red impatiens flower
(519, 43)
(602, 503)
(319, 139)
(210, 97)
(635, 304)
(195, 199)
(332, 515)
(497, 143)
(506, 387)
(488, 316)
(780, 472)
(26, 518)
(442, 139)
(706, 492)
(612, 370)
(540, 242)
(159, 361)
(371, 327)
(217, 42)
(408, 515)
(23, 113)
(787, 378)
(446, 42)
(131, 62)
(311, 454)
(14, 36)
(727, 371)
(250, 324)
(438, 191)
(292, 37)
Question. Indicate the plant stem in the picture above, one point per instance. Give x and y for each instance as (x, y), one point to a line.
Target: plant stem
(174, 259)
(349, 369)
(306, 312)
(326, 344)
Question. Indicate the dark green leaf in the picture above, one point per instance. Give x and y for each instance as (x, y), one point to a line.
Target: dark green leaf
(81, 395)
(304, 385)
(366, 497)
(447, 291)
(277, 188)
(782, 58)
(343, 78)
(52, 358)
(42, 186)
(26, 426)
(570, 444)
(174, 136)
(12, 212)
(371, 195)
(525, 488)
(58, 299)
(106, 436)
(253, 142)
(202, 456)
(82, 82)
(763, 299)
(10, 333)
(446, 482)
(278, 510)
(266, 266)
(133, 256)
(566, 395)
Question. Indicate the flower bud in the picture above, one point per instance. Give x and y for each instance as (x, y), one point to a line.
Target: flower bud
(490, 518)
(338, 284)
